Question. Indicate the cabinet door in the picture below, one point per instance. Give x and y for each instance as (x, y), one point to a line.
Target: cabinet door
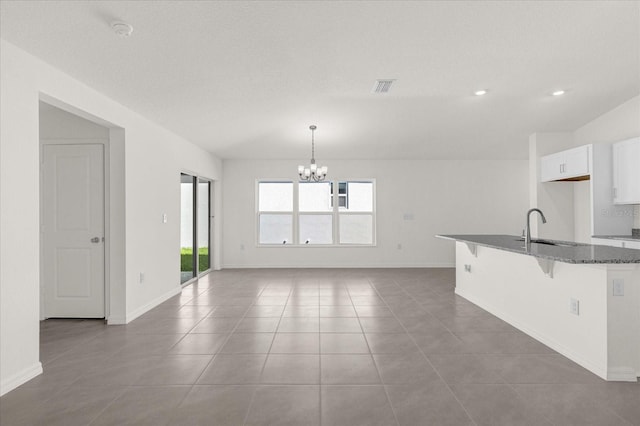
(576, 162)
(632, 245)
(626, 172)
(606, 242)
(551, 167)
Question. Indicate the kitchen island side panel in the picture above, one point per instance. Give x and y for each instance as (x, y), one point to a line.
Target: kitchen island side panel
(514, 288)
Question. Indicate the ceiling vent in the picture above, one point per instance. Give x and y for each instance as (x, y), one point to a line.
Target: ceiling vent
(382, 86)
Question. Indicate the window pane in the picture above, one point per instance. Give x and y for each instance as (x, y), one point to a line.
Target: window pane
(316, 229)
(276, 228)
(203, 225)
(275, 196)
(315, 197)
(356, 228)
(187, 261)
(358, 197)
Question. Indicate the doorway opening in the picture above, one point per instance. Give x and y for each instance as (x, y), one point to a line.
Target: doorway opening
(81, 214)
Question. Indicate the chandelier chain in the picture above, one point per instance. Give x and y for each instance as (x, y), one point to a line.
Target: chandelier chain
(313, 145)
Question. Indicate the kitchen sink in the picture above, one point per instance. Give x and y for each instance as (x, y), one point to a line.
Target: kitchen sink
(556, 243)
(551, 242)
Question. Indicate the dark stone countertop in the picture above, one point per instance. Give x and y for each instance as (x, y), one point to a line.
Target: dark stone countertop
(567, 252)
(619, 237)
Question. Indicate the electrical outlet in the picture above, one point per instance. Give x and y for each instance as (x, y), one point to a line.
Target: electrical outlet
(164, 218)
(141, 279)
(467, 268)
(618, 287)
(399, 246)
(574, 306)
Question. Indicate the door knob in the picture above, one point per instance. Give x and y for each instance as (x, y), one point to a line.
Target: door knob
(95, 240)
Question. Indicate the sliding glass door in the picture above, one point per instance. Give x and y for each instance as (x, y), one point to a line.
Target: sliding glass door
(187, 230)
(204, 222)
(195, 226)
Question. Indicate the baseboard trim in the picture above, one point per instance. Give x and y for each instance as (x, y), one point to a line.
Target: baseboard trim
(596, 369)
(116, 320)
(622, 375)
(336, 266)
(152, 304)
(20, 378)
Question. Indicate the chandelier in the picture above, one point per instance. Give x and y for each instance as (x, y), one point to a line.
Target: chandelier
(313, 172)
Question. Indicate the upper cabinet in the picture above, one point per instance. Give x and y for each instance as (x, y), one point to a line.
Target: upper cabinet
(626, 172)
(572, 164)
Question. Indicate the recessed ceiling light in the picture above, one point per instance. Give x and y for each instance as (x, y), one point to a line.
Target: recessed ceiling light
(480, 92)
(122, 29)
(558, 93)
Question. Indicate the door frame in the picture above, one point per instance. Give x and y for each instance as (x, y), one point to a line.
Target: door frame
(106, 206)
(210, 219)
(211, 214)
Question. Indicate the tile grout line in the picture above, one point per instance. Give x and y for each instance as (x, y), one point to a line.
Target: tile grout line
(420, 349)
(384, 387)
(215, 355)
(125, 388)
(264, 363)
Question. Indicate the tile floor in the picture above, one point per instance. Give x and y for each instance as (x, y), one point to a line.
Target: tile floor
(312, 347)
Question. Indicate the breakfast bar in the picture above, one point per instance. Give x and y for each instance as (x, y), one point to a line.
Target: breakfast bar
(582, 300)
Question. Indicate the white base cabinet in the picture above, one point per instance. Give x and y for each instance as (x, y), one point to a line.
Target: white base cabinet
(616, 243)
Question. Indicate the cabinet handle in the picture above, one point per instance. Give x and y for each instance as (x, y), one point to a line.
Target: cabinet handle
(615, 193)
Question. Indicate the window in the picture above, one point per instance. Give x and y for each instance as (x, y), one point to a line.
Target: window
(275, 211)
(315, 217)
(312, 213)
(356, 213)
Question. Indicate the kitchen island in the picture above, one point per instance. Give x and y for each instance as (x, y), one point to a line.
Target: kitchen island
(581, 300)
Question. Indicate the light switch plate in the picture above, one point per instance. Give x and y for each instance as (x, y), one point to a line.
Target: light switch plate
(574, 306)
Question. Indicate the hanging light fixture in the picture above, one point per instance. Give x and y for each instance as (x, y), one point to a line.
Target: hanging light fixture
(313, 172)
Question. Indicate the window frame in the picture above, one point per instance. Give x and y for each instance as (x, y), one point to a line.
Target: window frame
(258, 213)
(296, 213)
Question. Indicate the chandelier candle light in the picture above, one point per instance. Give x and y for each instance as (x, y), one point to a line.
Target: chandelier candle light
(313, 172)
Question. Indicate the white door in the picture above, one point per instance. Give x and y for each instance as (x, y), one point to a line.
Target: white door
(73, 231)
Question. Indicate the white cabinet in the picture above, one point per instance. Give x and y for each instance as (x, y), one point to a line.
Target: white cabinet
(631, 244)
(606, 242)
(626, 172)
(570, 164)
(616, 243)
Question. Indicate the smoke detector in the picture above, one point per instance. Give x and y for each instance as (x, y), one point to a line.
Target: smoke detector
(382, 86)
(122, 29)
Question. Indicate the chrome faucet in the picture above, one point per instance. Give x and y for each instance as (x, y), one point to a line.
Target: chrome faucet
(527, 238)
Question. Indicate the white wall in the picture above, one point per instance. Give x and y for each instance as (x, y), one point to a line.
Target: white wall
(555, 199)
(444, 197)
(150, 180)
(58, 124)
(622, 122)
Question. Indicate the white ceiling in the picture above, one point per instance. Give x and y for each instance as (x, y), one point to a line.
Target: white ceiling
(245, 79)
